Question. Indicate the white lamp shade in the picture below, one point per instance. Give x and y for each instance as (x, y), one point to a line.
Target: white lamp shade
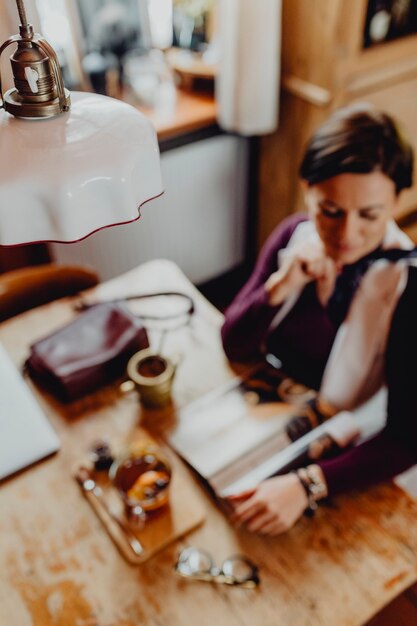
(63, 178)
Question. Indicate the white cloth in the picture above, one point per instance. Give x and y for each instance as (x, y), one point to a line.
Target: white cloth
(247, 83)
(354, 372)
(355, 369)
(306, 234)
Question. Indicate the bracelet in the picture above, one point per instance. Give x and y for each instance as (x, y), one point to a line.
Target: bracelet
(317, 487)
(312, 504)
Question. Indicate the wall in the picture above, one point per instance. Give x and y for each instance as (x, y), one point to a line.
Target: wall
(199, 222)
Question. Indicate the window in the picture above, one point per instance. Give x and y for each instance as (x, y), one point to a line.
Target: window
(57, 27)
(75, 27)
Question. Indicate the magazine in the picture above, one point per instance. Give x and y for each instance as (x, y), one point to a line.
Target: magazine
(235, 437)
(230, 435)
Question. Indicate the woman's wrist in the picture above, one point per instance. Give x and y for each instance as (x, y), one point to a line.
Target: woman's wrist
(323, 409)
(318, 411)
(298, 482)
(312, 480)
(313, 413)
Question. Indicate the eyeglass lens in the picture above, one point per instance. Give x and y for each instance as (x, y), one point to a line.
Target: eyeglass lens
(194, 562)
(239, 568)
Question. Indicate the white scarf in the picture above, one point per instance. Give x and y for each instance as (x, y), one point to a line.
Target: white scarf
(305, 233)
(355, 369)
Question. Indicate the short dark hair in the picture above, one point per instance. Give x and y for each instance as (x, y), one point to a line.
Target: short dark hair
(358, 139)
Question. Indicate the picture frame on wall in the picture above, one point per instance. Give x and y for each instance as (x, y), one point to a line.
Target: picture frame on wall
(387, 20)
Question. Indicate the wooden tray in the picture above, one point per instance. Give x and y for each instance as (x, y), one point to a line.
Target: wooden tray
(184, 512)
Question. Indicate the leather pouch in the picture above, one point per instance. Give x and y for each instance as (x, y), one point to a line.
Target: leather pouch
(91, 351)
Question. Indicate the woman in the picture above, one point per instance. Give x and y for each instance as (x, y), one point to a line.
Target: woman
(354, 168)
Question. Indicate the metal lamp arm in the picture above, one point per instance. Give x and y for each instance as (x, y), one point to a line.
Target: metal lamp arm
(22, 12)
(50, 52)
(8, 42)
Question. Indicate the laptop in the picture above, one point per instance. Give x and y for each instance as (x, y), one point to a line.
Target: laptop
(25, 434)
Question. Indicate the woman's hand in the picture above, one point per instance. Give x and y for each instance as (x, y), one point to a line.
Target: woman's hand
(273, 507)
(298, 268)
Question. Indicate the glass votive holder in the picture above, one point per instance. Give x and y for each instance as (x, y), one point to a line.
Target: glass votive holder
(142, 477)
(146, 74)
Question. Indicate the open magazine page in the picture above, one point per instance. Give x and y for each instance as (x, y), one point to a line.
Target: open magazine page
(345, 428)
(234, 437)
(231, 430)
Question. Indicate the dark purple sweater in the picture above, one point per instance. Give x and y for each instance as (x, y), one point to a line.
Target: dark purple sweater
(303, 342)
(304, 338)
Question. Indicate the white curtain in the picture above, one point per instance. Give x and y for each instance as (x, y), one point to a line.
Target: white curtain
(247, 85)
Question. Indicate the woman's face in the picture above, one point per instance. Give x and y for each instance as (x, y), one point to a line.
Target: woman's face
(350, 212)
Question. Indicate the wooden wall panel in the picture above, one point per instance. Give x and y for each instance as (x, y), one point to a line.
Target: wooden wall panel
(325, 67)
(279, 186)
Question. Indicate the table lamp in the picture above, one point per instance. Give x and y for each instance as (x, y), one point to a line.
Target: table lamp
(69, 164)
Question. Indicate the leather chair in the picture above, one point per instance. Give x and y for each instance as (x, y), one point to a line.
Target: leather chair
(28, 287)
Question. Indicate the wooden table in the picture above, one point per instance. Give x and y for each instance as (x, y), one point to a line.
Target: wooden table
(58, 567)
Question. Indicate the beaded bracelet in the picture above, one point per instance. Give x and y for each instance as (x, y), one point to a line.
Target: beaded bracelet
(312, 504)
(317, 488)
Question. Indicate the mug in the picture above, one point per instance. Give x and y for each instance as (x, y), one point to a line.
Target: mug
(152, 376)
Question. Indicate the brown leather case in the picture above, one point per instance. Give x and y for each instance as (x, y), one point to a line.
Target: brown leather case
(91, 351)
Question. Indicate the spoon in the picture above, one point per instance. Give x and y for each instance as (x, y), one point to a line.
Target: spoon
(93, 493)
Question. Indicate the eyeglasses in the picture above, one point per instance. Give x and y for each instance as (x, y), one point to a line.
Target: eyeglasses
(197, 564)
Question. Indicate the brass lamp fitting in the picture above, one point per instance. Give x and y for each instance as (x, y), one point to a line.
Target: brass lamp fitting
(39, 87)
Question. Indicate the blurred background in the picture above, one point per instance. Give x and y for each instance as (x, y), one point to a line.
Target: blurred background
(234, 88)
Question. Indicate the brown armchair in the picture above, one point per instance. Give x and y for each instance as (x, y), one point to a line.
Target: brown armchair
(25, 288)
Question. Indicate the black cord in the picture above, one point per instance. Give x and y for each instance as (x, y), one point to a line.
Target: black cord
(83, 305)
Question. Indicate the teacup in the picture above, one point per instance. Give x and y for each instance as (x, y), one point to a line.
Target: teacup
(142, 477)
(152, 376)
